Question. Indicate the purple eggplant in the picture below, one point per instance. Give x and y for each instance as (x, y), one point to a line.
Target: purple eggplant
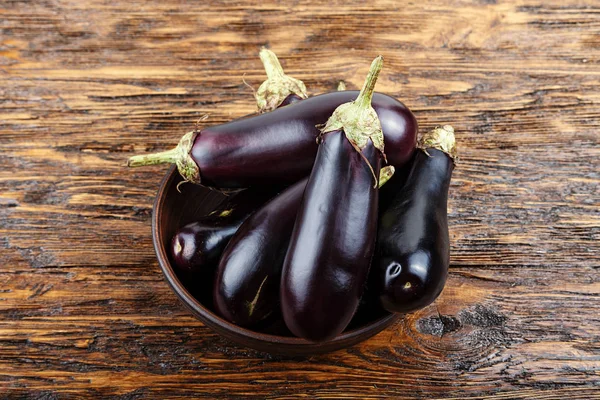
(290, 99)
(198, 245)
(333, 240)
(278, 146)
(413, 251)
(246, 289)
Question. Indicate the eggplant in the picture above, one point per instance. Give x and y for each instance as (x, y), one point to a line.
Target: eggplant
(246, 289)
(198, 245)
(278, 146)
(279, 89)
(413, 252)
(290, 99)
(333, 240)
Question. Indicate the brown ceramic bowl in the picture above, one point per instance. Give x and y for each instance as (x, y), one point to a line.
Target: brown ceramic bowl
(171, 211)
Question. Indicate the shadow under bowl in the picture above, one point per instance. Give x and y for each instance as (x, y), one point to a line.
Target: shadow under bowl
(171, 211)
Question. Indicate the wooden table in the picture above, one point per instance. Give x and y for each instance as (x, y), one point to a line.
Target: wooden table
(84, 309)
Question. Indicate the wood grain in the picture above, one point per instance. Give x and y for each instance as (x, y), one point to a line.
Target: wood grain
(84, 310)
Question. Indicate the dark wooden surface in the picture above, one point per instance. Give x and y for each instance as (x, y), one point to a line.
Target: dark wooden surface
(84, 310)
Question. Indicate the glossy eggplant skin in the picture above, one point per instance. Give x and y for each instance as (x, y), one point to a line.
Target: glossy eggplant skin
(246, 289)
(332, 243)
(413, 251)
(280, 146)
(199, 245)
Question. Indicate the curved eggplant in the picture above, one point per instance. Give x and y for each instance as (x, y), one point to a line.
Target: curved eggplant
(278, 146)
(333, 240)
(246, 289)
(199, 244)
(413, 241)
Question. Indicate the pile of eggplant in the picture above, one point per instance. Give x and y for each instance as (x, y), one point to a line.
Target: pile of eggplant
(317, 220)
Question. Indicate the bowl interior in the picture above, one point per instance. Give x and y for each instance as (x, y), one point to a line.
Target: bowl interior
(175, 208)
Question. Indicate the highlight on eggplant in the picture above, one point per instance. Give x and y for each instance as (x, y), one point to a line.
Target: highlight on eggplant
(332, 242)
(246, 289)
(413, 251)
(279, 89)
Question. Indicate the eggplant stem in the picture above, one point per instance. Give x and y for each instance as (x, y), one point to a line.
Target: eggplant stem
(341, 86)
(358, 118)
(366, 93)
(164, 157)
(440, 138)
(180, 156)
(278, 86)
(271, 63)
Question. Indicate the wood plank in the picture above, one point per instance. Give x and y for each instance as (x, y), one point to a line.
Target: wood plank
(84, 310)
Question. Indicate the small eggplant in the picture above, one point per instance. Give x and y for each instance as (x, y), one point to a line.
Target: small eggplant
(278, 146)
(199, 245)
(279, 89)
(246, 289)
(413, 242)
(333, 240)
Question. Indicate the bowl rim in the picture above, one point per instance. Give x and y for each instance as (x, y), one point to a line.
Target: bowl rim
(216, 322)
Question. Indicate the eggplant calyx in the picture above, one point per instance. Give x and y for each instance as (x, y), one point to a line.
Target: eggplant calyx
(358, 118)
(278, 85)
(440, 138)
(179, 156)
(386, 174)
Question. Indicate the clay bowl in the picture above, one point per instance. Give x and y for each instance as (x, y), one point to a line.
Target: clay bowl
(171, 211)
